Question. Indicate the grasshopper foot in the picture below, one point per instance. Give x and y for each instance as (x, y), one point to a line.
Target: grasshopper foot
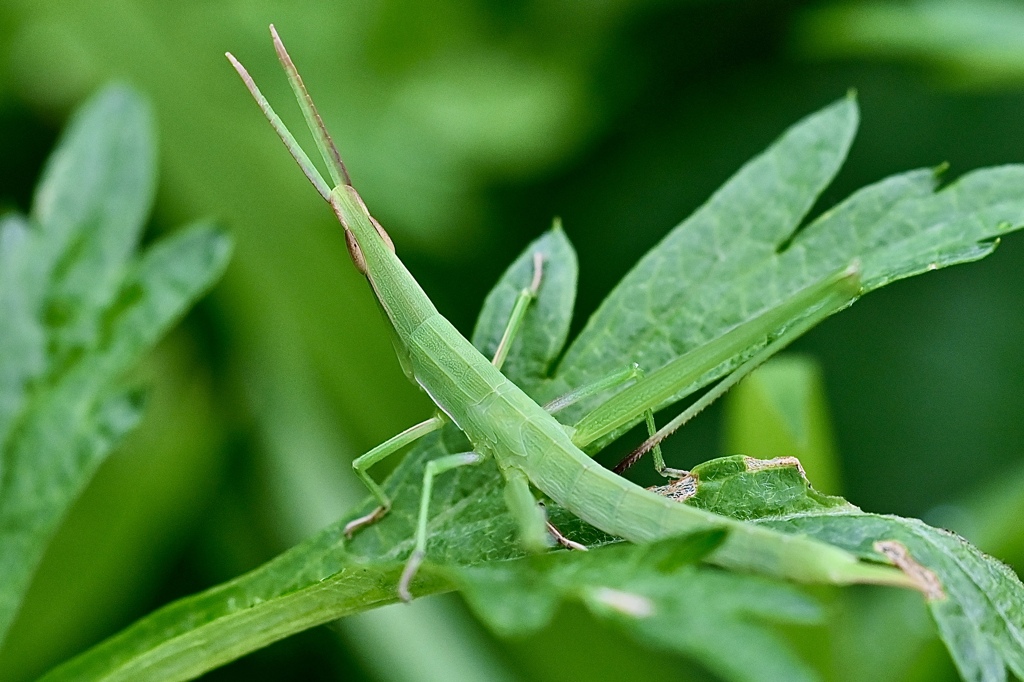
(564, 541)
(356, 524)
(411, 567)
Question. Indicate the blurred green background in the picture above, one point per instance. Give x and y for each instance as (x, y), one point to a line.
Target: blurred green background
(467, 125)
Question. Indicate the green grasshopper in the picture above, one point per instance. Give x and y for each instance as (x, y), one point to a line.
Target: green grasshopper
(532, 449)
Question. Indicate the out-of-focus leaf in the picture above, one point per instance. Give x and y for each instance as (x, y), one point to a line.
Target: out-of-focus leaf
(976, 601)
(135, 513)
(978, 43)
(82, 310)
(780, 411)
(657, 593)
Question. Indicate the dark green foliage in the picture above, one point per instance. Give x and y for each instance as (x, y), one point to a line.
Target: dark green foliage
(977, 44)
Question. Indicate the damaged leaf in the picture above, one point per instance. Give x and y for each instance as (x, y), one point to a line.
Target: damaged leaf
(977, 602)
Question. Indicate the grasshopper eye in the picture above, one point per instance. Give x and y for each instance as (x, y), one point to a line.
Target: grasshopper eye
(356, 253)
(383, 233)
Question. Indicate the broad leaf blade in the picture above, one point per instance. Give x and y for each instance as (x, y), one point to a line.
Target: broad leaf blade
(742, 253)
(658, 310)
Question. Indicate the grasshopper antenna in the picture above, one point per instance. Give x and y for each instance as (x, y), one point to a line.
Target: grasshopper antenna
(329, 152)
(308, 169)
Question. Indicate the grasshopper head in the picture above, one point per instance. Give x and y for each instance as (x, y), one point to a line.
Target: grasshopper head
(356, 219)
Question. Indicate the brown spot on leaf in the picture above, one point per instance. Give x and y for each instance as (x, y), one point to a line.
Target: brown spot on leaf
(924, 579)
(777, 463)
(680, 489)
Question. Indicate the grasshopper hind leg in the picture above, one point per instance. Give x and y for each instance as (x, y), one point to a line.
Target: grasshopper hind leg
(614, 380)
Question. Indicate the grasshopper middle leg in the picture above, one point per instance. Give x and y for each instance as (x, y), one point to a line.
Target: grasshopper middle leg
(434, 467)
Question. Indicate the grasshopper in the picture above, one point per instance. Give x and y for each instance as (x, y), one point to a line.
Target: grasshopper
(532, 449)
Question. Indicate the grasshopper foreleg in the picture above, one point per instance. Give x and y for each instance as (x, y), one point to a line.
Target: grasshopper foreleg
(383, 451)
(522, 303)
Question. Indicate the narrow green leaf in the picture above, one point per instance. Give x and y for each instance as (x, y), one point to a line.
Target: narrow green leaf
(311, 584)
(90, 208)
(23, 340)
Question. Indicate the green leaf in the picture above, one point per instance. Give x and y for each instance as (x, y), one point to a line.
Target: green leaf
(661, 308)
(743, 253)
(91, 204)
(80, 311)
(976, 601)
(733, 259)
(977, 44)
(659, 595)
(312, 583)
(23, 341)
